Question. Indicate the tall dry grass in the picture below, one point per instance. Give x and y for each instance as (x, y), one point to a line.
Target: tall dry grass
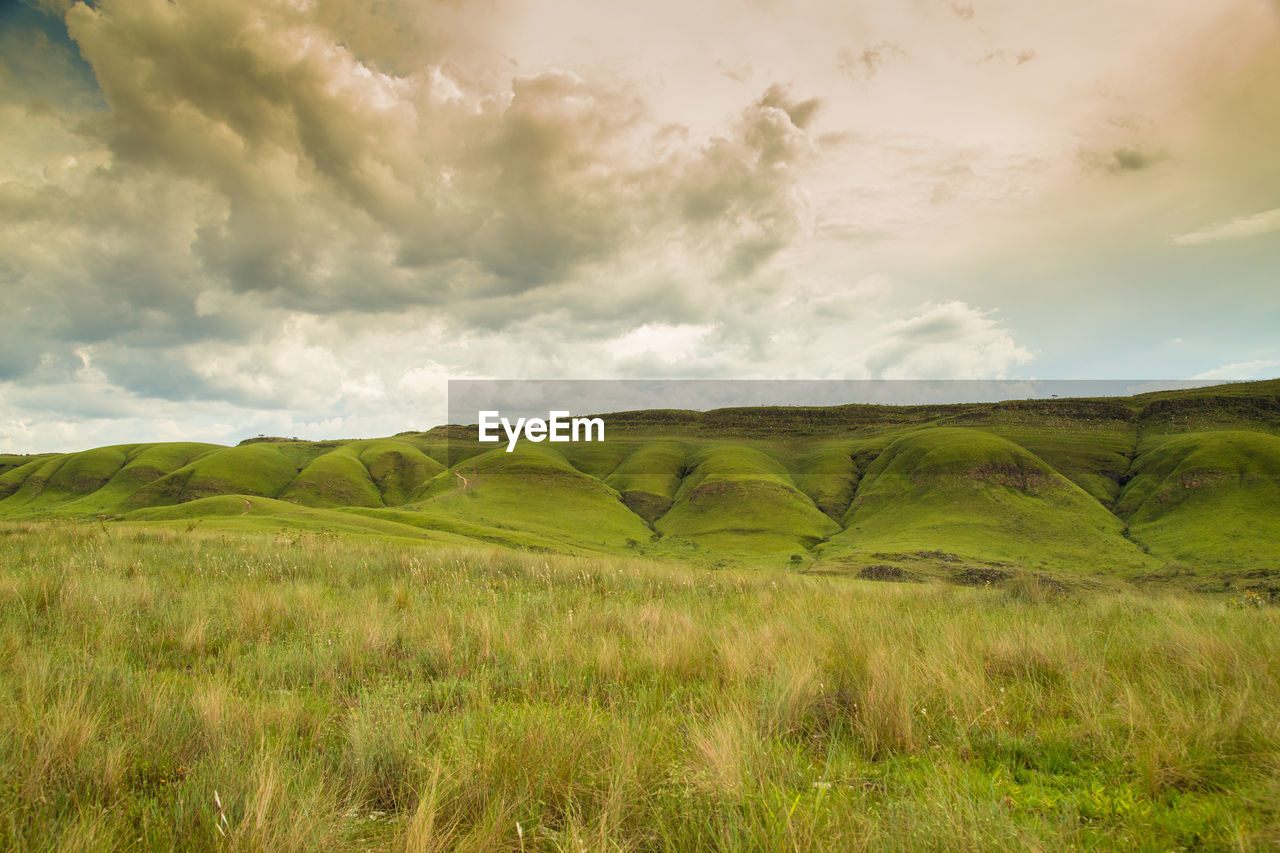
(161, 689)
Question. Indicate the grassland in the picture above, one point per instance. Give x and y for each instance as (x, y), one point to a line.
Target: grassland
(165, 689)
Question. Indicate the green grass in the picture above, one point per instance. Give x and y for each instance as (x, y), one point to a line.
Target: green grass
(203, 690)
(63, 478)
(238, 513)
(1253, 406)
(146, 463)
(828, 471)
(347, 645)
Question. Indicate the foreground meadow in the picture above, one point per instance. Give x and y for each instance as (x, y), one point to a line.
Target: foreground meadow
(170, 689)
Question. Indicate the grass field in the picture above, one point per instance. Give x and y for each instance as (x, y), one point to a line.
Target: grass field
(165, 688)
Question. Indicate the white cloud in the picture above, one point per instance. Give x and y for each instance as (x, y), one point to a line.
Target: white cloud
(946, 341)
(337, 376)
(1235, 229)
(1261, 369)
(669, 343)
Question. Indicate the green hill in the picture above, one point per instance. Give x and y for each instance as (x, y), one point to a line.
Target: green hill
(254, 469)
(970, 496)
(649, 477)
(739, 500)
(1171, 483)
(64, 478)
(1208, 499)
(94, 481)
(334, 479)
(500, 496)
(397, 468)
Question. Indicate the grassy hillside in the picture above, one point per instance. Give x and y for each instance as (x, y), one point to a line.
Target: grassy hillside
(649, 477)
(63, 478)
(1208, 500)
(532, 491)
(397, 468)
(736, 499)
(335, 479)
(9, 461)
(96, 480)
(829, 471)
(972, 497)
(1172, 483)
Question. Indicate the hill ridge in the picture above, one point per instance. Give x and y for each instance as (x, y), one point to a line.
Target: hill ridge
(765, 484)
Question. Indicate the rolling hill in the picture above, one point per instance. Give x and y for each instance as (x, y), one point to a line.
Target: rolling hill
(1161, 484)
(970, 496)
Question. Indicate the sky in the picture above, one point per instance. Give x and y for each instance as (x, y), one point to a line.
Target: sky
(224, 218)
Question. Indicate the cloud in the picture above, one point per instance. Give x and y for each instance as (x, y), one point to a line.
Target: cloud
(340, 375)
(946, 341)
(867, 64)
(668, 343)
(54, 7)
(1019, 57)
(317, 170)
(299, 216)
(1261, 369)
(1236, 229)
(1120, 161)
(1130, 160)
(738, 74)
(253, 165)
